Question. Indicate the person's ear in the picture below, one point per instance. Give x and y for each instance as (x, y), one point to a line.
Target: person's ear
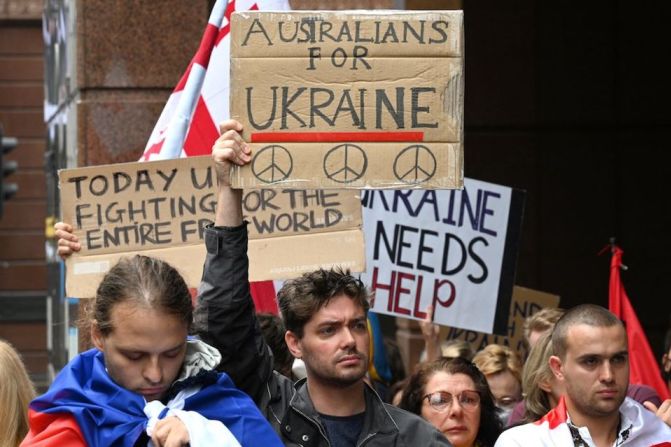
(294, 344)
(556, 367)
(96, 336)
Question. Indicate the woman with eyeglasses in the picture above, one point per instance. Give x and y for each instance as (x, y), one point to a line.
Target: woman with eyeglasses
(454, 396)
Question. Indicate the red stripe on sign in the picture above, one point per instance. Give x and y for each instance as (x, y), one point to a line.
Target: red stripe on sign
(305, 137)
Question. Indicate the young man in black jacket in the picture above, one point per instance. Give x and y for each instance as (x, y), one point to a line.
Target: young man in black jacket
(325, 313)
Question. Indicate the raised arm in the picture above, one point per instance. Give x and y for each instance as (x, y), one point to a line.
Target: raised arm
(229, 149)
(225, 315)
(431, 335)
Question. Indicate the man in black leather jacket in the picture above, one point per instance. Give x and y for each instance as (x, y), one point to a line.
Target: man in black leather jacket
(333, 403)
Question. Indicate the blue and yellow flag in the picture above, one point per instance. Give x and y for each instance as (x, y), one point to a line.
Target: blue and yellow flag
(378, 366)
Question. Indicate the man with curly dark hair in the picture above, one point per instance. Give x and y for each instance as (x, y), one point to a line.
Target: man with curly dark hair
(325, 316)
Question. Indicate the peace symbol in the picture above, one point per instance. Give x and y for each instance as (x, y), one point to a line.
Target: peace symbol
(272, 164)
(345, 163)
(417, 163)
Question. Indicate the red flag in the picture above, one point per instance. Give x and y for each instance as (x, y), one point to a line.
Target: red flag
(189, 123)
(642, 363)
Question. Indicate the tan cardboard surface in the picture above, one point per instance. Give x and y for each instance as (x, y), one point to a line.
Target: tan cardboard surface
(312, 81)
(279, 258)
(290, 212)
(383, 33)
(525, 303)
(300, 254)
(429, 90)
(159, 209)
(361, 164)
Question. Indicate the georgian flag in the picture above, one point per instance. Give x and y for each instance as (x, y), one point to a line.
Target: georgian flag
(189, 123)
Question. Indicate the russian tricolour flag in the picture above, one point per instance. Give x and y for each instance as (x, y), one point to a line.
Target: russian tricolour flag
(85, 407)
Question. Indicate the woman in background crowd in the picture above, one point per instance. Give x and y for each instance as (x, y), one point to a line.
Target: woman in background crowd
(540, 323)
(503, 369)
(540, 388)
(16, 392)
(453, 395)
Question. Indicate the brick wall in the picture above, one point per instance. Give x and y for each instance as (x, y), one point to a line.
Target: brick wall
(23, 279)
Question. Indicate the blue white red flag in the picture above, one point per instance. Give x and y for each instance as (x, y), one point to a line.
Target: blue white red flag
(84, 406)
(378, 367)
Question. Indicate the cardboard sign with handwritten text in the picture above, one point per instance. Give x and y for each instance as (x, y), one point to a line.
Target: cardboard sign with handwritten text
(349, 99)
(161, 208)
(526, 302)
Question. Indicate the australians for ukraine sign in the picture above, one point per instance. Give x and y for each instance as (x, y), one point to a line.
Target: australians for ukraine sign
(349, 99)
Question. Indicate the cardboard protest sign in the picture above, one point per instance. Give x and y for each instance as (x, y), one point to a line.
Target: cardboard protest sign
(161, 208)
(456, 250)
(525, 302)
(353, 99)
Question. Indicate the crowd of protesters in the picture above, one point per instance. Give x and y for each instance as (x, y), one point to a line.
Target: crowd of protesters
(163, 374)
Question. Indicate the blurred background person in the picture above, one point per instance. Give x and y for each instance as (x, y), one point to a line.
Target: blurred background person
(454, 396)
(503, 369)
(540, 388)
(399, 380)
(273, 331)
(452, 349)
(396, 391)
(540, 323)
(16, 392)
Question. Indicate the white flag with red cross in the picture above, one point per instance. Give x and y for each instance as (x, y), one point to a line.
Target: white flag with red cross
(189, 123)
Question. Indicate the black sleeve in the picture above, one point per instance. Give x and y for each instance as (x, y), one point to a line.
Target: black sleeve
(225, 316)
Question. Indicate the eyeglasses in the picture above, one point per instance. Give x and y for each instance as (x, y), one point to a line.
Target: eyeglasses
(442, 400)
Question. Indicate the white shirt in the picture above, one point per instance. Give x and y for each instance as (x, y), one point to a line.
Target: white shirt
(639, 427)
